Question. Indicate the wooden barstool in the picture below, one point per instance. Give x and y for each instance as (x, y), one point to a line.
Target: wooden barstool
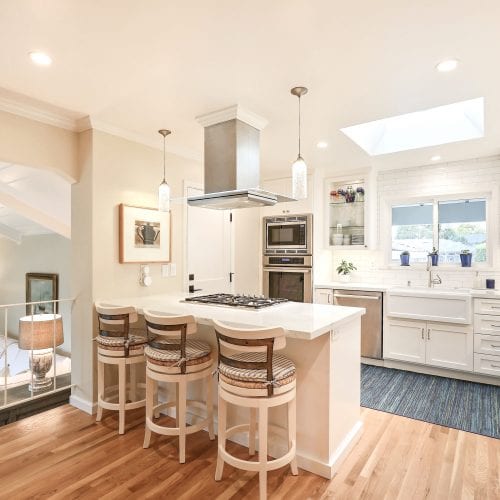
(115, 346)
(256, 378)
(170, 357)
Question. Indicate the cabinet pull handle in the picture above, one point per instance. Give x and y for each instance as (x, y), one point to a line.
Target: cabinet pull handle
(494, 326)
(495, 366)
(428, 334)
(422, 334)
(496, 347)
(495, 307)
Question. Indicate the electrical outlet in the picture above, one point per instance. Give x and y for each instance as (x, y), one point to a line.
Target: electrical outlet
(173, 269)
(164, 271)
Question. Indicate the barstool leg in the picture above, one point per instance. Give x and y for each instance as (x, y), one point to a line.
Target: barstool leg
(154, 396)
(133, 383)
(263, 452)
(221, 437)
(177, 405)
(182, 420)
(150, 387)
(100, 389)
(251, 435)
(292, 432)
(122, 380)
(210, 407)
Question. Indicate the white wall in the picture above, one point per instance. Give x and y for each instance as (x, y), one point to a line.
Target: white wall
(467, 176)
(48, 253)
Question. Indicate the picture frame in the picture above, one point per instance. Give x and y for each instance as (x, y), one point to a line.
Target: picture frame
(144, 235)
(41, 287)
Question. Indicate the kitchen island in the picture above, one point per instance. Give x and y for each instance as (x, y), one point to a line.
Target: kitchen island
(324, 343)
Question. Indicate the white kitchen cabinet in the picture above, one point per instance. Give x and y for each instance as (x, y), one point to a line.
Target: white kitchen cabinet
(449, 346)
(284, 186)
(323, 296)
(487, 336)
(404, 340)
(434, 344)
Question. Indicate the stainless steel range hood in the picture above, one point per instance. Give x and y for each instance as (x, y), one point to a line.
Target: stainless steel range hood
(232, 161)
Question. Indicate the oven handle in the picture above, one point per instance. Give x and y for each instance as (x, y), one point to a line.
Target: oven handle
(281, 270)
(345, 296)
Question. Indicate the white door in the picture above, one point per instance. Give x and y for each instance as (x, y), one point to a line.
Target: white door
(449, 346)
(208, 247)
(405, 340)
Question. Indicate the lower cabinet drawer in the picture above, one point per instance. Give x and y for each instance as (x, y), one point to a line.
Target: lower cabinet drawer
(487, 364)
(487, 344)
(487, 323)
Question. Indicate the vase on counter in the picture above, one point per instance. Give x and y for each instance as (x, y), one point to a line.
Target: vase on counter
(405, 258)
(466, 259)
(344, 278)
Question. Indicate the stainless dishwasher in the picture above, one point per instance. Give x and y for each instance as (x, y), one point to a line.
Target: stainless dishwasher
(371, 322)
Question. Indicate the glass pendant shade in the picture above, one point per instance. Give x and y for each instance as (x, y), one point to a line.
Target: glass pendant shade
(164, 197)
(164, 189)
(299, 179)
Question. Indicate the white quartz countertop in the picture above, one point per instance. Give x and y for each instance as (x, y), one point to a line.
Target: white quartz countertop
(486, 293)
(369, 287)
(300, 320)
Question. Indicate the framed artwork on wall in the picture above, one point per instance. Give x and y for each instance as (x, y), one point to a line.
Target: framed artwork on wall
(42, 287)
(144, 235)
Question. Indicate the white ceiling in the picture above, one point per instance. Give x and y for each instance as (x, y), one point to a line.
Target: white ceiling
(33, 202)
(142, 66)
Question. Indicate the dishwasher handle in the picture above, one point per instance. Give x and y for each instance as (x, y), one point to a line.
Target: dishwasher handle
(364, 297)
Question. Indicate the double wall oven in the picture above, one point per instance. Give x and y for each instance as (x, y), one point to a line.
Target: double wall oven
(287, 260)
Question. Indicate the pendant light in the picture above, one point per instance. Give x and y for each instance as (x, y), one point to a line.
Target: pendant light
(299, 167)
(164, 189)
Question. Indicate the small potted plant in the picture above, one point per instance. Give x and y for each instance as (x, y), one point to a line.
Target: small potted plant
(466, 258)
(345, 269)
(405, 258)
(434, 255)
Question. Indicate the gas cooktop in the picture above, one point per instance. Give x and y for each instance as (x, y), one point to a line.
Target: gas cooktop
(227, 299)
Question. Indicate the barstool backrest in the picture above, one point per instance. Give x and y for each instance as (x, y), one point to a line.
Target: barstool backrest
(171, 327)
(114, 321)
(264, 340)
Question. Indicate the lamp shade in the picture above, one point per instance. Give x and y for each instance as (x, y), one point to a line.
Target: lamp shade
(38, 331)
(164, 197)
(299, 179)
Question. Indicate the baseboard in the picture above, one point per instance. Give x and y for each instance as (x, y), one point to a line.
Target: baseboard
(83, 404)
(432, 370)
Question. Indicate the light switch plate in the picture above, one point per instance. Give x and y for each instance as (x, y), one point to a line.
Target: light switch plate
(164, 271)
(173, 269)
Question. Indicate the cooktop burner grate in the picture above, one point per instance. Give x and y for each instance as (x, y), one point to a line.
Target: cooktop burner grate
(227, 299)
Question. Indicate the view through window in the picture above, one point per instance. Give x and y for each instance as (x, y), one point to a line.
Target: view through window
(459, 225)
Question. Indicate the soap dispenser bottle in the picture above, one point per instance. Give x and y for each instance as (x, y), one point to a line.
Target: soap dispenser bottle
(477, 281)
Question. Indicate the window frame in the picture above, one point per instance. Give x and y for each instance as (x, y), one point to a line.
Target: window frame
(491, 229)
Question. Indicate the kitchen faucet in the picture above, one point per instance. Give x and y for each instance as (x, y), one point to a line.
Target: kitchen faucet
(432, 281)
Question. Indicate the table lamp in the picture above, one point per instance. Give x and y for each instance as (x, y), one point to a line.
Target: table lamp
(37, 334)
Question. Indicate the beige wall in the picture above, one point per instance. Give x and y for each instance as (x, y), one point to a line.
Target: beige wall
(35, 144)
(48, 253)
(114, 171)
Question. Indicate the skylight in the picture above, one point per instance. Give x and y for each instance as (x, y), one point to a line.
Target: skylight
(451, 123)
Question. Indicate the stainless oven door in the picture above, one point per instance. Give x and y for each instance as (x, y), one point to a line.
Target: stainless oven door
(288, 283)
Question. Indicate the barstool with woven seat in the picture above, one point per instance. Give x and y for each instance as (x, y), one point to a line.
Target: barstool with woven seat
(171, 357)
(252, 375)
(115, 346)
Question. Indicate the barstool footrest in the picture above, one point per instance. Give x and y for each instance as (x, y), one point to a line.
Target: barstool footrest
(251, 465)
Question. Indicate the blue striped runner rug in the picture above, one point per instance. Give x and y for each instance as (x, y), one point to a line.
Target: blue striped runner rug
(467, 406)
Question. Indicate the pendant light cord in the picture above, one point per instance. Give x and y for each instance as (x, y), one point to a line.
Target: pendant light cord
(164, 159)
(299, 126)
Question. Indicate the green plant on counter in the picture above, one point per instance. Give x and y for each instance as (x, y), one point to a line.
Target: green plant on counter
(346, 267)
(434, 251)
(405, 252)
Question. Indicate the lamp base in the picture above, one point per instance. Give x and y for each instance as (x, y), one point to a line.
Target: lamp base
(40, 364)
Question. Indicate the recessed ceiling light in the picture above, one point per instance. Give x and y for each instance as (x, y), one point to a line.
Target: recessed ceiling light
(41, 58)
(435, 158)
(447, 65)
(322, 145)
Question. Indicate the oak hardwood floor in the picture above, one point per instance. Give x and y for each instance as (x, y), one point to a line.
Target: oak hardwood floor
(64, 454)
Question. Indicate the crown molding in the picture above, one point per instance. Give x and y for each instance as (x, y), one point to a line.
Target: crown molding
(50, 115)
(37, 113)
(230, 113)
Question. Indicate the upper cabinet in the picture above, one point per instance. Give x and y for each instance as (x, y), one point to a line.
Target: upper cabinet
(284, 186)
(347, 212)
(346, 217)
